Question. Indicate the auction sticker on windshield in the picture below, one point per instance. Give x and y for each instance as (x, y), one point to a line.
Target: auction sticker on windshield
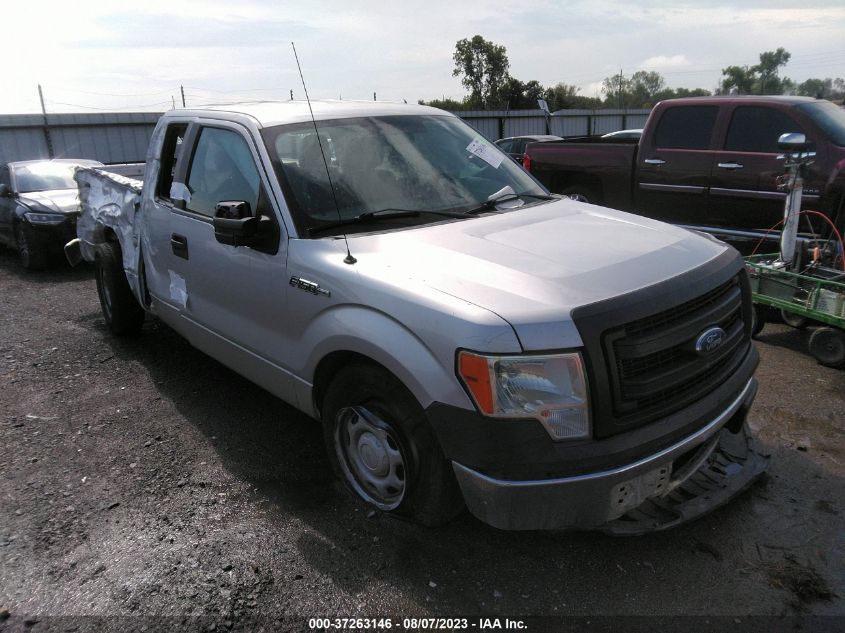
(486, 152)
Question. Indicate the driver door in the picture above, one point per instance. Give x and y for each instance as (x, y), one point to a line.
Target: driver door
(231, 299)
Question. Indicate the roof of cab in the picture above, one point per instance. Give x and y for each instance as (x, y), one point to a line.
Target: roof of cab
(743, 99)
(269, 113)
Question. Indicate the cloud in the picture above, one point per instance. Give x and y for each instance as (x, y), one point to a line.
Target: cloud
(662, 61)
(400, 50)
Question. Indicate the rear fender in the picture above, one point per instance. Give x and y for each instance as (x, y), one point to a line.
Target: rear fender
(109, 206)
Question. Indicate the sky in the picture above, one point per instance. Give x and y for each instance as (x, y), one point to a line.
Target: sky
(111, 55)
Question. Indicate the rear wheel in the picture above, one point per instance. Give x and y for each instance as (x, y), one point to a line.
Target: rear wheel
(30, 256)
(122, 313)
(384, 450)
(581, 194)
(827, 345)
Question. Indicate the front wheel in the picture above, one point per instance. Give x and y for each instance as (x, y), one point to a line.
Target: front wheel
(384, 450)
(30, 256)
(758, 320)
(122, 313)
(794, 320)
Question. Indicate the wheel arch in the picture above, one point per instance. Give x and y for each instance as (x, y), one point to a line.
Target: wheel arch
(369, 336)
(580, 181)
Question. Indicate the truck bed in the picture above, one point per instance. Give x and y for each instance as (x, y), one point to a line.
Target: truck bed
(109, 204)
(587, 163)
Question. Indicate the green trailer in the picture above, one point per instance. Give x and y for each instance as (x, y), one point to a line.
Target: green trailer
(802, 297)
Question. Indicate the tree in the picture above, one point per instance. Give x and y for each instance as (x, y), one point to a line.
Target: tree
(617, 91)
(641, 90)
(483, 68)
(644, 87)
(565, 96)
(762, 78)
(516, 95)
(768, 82)
(447, 104)
(686, 92)
(822, 88)
(738, 80)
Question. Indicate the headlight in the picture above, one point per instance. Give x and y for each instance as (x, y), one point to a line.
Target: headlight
(550, 388)
(44, 218)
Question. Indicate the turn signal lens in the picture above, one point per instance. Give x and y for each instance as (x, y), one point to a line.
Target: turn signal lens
(475, 372)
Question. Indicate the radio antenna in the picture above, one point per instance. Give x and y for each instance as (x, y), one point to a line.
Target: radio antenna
(348, 259)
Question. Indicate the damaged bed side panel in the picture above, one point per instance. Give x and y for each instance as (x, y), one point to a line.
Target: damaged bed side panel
(111, 205)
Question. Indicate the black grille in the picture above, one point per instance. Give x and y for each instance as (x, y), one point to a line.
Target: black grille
(668, 317)
(652, 362)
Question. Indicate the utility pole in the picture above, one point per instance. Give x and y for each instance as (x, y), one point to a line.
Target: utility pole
(291, 94)
(182, 88)
(47, 138)
(374, 96)
(620, 88)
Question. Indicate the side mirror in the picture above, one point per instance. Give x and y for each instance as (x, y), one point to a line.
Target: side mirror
(792, 142)
(234, 224)
(5, 192)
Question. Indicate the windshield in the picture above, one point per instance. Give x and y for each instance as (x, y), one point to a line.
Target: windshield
(413, 163)
(44, 177)
(829, 117)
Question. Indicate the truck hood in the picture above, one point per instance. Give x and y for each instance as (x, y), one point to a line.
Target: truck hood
(532, 266)
(58, 200)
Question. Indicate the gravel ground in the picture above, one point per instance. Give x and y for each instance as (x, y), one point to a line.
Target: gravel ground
(141, 478)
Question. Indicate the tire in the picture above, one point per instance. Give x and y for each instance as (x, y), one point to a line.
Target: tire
(758, 320)
(31, 258)
(581, 194)
(827, 345)
(794, 320)
(122, 313)
(383, 449)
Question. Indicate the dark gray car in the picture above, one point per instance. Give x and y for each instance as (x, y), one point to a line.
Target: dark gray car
(515, 145)
(39, 205)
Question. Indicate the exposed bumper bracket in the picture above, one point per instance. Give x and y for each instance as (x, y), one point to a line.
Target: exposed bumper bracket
(673, 486)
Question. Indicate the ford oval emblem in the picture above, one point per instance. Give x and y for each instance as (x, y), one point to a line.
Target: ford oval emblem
(709, 341)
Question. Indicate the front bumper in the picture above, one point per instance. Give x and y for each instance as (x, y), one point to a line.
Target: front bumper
(52, 237)
(672, 486)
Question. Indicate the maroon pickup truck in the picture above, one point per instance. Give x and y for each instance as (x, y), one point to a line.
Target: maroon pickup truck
(708, 162)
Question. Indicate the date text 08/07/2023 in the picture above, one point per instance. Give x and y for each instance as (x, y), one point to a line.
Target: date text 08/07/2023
(415, 624)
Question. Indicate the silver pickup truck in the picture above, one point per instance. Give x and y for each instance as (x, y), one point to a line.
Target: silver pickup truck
(465, 338)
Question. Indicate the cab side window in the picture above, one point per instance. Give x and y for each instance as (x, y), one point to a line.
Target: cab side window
(686, 127)
(755, 129)
(170, 151)
(222, 168)
(506, 146)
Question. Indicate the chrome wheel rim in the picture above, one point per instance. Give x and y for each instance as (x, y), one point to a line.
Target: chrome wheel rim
(371, 457)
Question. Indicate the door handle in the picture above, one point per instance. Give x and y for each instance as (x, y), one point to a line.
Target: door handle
(730, 166)
(179, 245)
(654, 161)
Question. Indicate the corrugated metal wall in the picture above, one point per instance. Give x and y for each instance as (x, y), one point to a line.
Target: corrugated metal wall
(123, 137)
(495, 124)
(107, 137)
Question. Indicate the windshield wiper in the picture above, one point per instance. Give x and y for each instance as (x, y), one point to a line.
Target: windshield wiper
(381, 214)
(505, 195)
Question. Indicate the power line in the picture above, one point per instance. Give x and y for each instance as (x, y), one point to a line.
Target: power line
(111, 109)
(110, 94)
